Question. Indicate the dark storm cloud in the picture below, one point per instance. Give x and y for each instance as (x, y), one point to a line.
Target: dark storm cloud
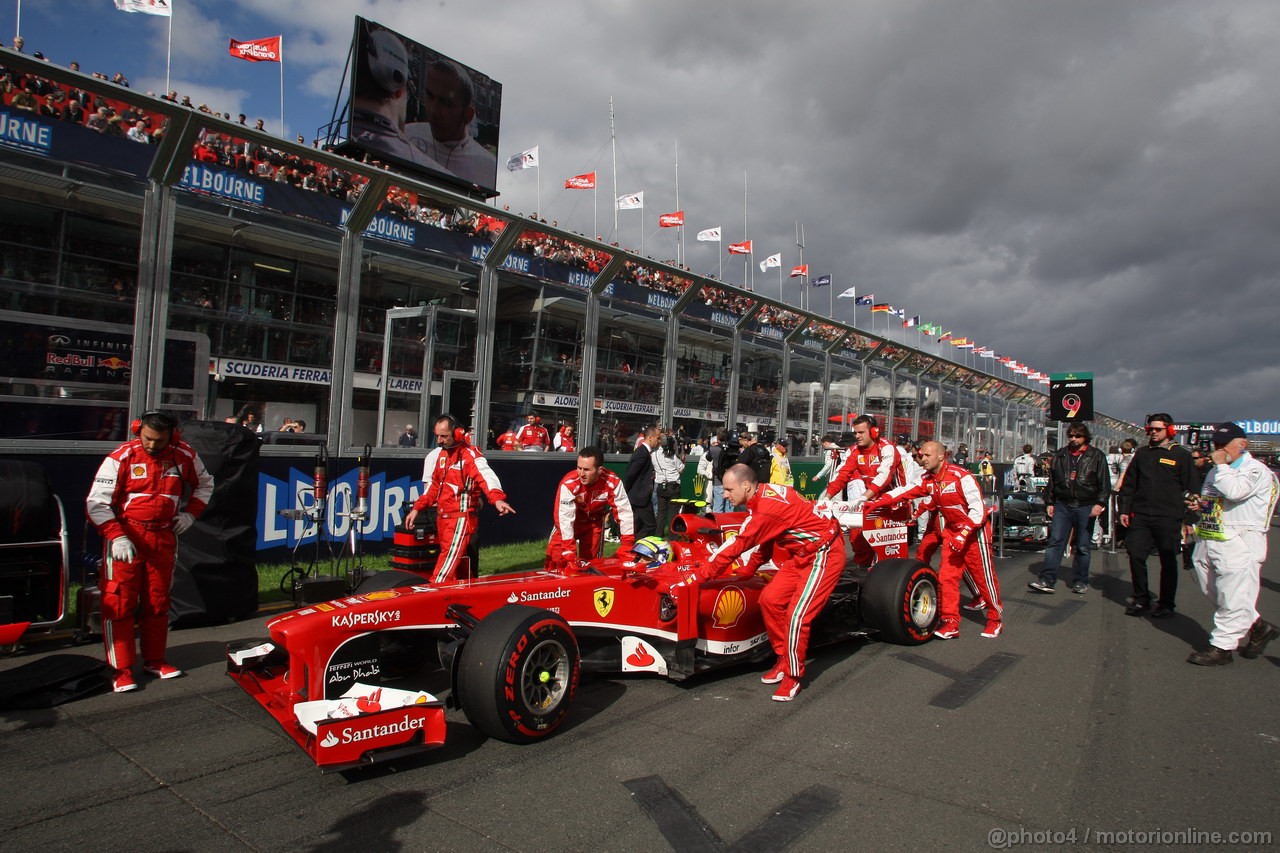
(1085, 185)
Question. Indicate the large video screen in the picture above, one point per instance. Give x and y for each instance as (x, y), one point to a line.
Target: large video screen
(417, 109)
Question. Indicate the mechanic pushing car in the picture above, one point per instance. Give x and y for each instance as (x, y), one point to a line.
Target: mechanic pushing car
(954, 495)
(585, 498)
(785, 527)
(457, 477)
(136, 504)
(880, 466)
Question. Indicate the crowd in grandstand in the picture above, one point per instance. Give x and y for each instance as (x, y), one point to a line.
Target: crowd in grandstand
(113, 117)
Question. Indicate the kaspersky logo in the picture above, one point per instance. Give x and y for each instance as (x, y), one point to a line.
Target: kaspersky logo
(351, 734)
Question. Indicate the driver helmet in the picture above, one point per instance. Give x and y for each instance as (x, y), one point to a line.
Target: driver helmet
(653, 551)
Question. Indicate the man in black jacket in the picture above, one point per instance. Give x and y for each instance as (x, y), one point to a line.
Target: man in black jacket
(638, 481)
(756, 455)
(1153, 508)
(1079, 483)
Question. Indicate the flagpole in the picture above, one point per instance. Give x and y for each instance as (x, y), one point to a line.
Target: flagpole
(613, 142)
(17, 26)
(831, 300)
(168, 59)
(804, 279)
(680, 234)
(539, 177)
(746, 236)
(282, 133)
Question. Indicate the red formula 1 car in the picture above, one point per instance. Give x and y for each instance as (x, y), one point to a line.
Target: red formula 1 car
(348, 678)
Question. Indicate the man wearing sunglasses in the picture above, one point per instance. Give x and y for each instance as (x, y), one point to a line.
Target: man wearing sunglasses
(1153, 509)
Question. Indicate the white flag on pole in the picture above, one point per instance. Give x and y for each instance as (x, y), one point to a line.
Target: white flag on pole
(771, 261)
(523, 160)
(146, 7)
(850, 293)
(710, 235)
(635, 201)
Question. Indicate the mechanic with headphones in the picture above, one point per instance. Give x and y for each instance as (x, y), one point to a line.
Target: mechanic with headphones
(1153, 508)
(880, 465)
(457, 478)
(137, 504)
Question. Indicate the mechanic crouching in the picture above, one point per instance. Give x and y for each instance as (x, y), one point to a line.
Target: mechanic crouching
(809, 564)
(585, 498)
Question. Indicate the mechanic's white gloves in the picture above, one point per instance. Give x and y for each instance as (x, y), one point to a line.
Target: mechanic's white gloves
(183, 522)
(122, 550)
(822, 506)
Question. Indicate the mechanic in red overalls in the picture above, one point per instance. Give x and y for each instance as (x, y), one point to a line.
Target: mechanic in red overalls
(457, 477)
(584, 500)
(533, 435)
(953, 493)
(780, 519)
(136, 504)
(879, 464)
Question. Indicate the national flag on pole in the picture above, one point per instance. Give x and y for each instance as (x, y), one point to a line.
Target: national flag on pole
(821, 281)
(881, 308)
(581, 182)
(968, 344)
(959, 342)
(523, 160)
(945, 336)
(671, 220)
(711, 235)
(850, 293)
(987, 353)
(635, 201)
(743, 248)
(146, 7)
(258, 50)
(900, 313)
(771, 261)
(929, 329)
(869, 299)
(911, 322)
(799, 270)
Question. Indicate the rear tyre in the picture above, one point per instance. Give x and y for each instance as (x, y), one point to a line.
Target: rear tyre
(900, 600)
(517, 674)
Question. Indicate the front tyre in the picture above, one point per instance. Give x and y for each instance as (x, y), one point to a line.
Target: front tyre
(517, 673)
(900, 600)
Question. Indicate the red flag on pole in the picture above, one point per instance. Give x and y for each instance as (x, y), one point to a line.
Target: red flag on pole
(258, 50)
(743, 248)
(799, 270)
(671, 220)
(581, 182)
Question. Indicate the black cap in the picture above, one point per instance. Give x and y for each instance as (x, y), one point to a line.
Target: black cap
(1226, 433)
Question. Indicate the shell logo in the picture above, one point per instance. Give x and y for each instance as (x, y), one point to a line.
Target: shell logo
(138, 471)
(729, 607)
(381, 595)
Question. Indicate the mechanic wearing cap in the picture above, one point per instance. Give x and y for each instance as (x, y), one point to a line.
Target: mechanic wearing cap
(1152, 510)
(584, 499)
(1236, 504)
(136, 504)
(457, 477)
(879, 465)
(809, 564)
(953, 493)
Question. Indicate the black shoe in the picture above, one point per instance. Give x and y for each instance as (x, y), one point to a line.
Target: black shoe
(1162, 612)
(1080, 588)
(1213, 656)
(1137, 610)
(1259, 635)
(1041, 586)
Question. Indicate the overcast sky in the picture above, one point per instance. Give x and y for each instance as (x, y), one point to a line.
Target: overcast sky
(1085, 185)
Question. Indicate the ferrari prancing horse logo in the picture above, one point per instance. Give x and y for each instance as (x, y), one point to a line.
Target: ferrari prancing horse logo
(603, 599)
